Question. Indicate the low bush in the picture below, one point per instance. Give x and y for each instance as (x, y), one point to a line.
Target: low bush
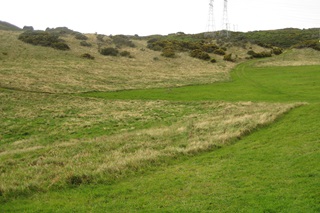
(277, 50)
(87, 56)
(125, 54)
(209, 48)
(219, 52)
(81, 36)
(314, 44)
(168, 52)
(85, 44)
(109, 51)
(263, 54)
(200, 54)
(60, 46)
(122, 41)
(45, 39)
(213, 60)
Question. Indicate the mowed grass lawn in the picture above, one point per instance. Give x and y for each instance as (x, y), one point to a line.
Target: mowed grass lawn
(275, 169)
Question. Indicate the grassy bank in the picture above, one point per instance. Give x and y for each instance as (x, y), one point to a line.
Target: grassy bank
(273, 170)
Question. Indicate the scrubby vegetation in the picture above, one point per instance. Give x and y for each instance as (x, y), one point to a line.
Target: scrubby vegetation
(81, 36)
(168, 52)
(85, 44)
(263, 54)
(314, 44)
(45, 39)
(199, 54)
(109, 51)
(87, 56)
(122, 41)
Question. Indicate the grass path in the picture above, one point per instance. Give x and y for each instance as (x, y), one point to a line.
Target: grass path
(249, 83)
(273, 170)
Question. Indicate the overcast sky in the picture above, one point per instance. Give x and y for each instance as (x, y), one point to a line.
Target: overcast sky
(146, 17)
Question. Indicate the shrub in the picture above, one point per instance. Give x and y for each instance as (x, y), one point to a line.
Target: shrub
(209, 48)
(125, 54)
(81, 36)
(219, 51)
(314, 44)
(60, 46)
(100, 37)
(85, 44)
(199, 54)
(263, 54)
(110, 51)
(87, 56)
(42, 38)
(213, 60)
(122, 40)
(168, 52)
(277, 50)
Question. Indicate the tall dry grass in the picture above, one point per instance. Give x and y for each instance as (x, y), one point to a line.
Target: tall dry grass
(46, 140)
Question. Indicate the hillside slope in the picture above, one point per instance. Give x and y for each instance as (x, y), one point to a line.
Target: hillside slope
(7, 26)
(43, 69)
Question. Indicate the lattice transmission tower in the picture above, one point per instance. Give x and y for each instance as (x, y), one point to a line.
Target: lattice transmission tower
(211, 22)
(225, 19)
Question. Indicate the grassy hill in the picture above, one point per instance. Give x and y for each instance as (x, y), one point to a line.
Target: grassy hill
(144, 132)
(7, 26)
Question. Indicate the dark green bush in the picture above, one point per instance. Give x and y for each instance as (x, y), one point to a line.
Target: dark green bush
(87, 56)
(219, 52)
(168, 52)
(263, 54)
(209, 48)
(109, 51)
(122, 41)
(200, 54)
(213, 60)
(314, 44)
(277, 50)
(60, 46)
(42, 38)
(85, 44)
(81, 36)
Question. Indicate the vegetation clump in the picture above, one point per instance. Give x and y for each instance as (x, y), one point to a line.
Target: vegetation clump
(168, 53)
(109, 51)
(122, 41)
(262, 54)
(200, 54)
(87, 56)
(314, 44)
(126, 54)
(228, 57)
(81, 36)
(85, 44)
(45, 39)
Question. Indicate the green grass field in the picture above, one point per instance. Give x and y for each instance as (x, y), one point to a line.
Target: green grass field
(247, 143)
